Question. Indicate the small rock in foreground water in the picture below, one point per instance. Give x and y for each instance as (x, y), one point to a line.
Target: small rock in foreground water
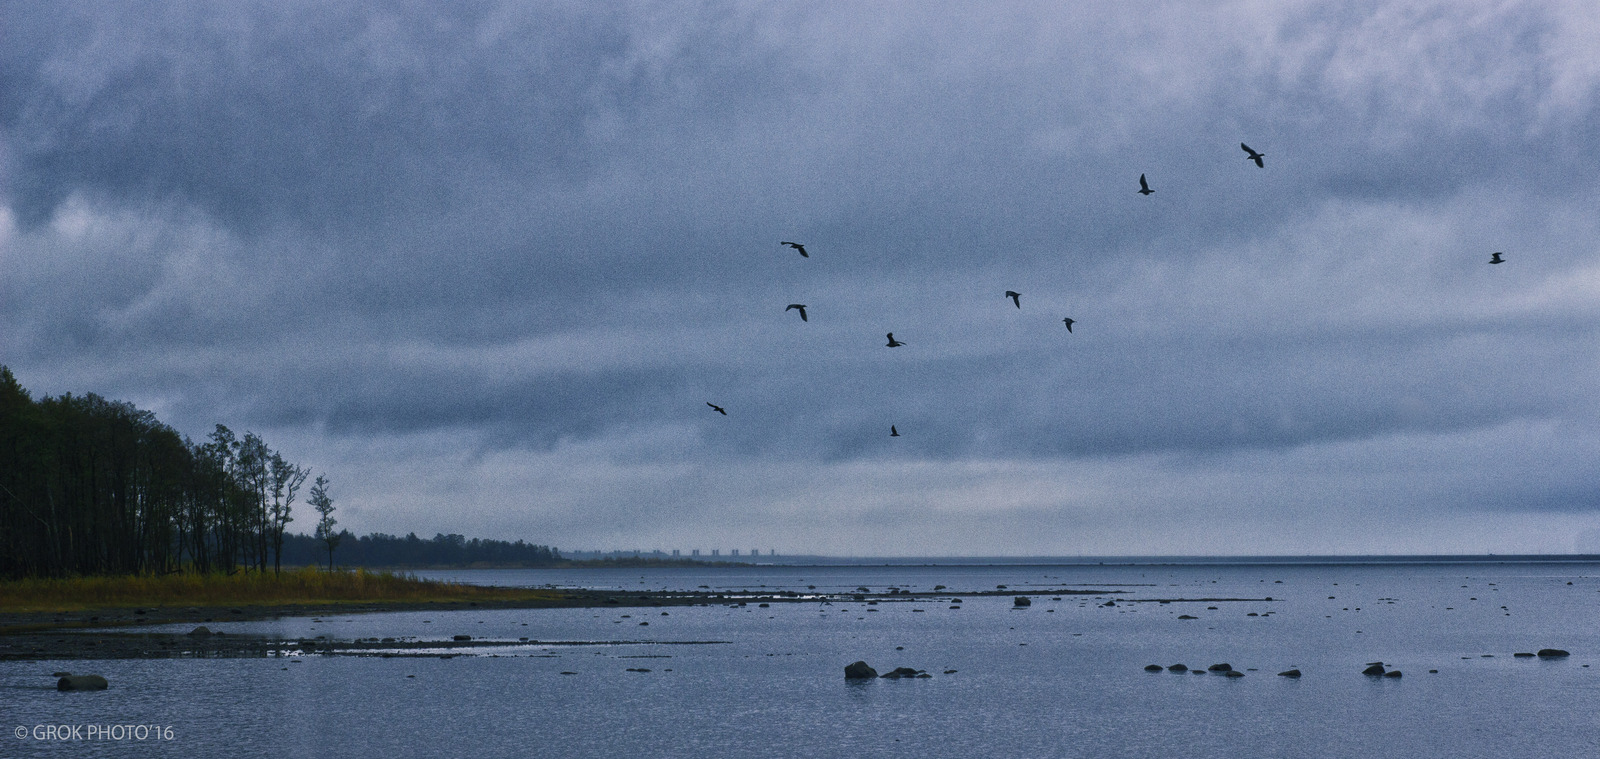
(82, 682)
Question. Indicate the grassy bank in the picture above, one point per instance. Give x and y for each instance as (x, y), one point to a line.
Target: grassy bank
(298, 586)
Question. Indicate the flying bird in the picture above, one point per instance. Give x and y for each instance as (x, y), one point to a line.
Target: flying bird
(717, 408)
(1496, 259)
(1144, 187)
(1015, 297)
(797, 246)
(893, 432)
(1068, 321)
(893, 343)
(801, 306)
(1254, 156)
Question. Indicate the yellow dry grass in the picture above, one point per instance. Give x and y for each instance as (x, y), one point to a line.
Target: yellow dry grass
(296, 586)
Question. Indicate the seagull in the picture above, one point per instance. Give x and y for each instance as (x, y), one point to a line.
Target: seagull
(1254, 156)
(1144, 187)
(1068, 321)
(893, 432)
(718, 408)
(1496, 259)
(797, 246)
(801, 306)
(1015, 297)
(893, 343)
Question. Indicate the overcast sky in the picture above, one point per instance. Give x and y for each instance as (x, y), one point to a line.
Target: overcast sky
(483, 264)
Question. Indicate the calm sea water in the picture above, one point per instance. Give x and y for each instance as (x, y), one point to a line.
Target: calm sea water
(1058, 679)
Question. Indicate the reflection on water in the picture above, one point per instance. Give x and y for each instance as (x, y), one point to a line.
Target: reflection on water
(1061, 677)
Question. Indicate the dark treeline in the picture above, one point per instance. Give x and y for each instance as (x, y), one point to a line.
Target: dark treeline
(380, 550)
(92, 486)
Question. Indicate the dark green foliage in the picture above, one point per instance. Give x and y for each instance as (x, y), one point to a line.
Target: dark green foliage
(91, 486)
(96, 487)
(380, 550)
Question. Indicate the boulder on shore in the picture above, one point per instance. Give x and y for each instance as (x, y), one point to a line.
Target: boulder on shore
(82, 682)
(859, 671)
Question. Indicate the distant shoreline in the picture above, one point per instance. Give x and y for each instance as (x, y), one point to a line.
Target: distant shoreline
(809, 560)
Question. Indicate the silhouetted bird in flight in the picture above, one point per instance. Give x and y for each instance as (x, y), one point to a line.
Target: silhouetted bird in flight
(893, 343)
(1068, 322)
(1254, 156)
(1144, 187)
(801, 306)
(1496, 259)
(718, 408)
(1015, 297)
(797, 246)
(893, 432)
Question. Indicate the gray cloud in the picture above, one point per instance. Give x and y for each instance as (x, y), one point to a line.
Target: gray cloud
(547, 235)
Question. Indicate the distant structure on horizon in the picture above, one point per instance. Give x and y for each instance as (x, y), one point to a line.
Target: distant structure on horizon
(716, 554)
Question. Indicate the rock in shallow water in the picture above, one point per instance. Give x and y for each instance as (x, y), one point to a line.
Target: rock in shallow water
(82, 682)
(1178, 668)
(1374, 670)
(900, 672)
(859, 671)
(1552, 653)
(1289, 673)
(1221, 668)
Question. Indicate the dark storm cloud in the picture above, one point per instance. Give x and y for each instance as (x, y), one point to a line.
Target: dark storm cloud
(548, 234)
(328, 116)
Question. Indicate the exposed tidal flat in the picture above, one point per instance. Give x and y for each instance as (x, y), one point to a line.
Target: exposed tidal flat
(1061, 676)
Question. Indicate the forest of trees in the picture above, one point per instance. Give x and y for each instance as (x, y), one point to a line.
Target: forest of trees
(380, 550)
(90, 486)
